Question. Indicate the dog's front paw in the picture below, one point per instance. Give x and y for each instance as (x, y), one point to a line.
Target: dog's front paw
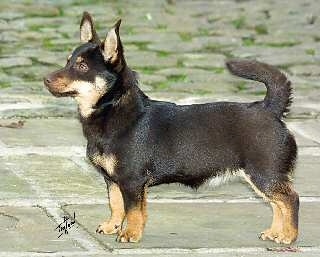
(108, 228)
(269, 234)
(129, 236)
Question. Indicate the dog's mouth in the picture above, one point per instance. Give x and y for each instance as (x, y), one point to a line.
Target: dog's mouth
(64, 94)
(58, 93)
(71, 93)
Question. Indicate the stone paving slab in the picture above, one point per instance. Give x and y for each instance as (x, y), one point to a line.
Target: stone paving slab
(43, 132)
(11, 185)
(30, 229)
(55, 177)
(308, 128)
(202, 225)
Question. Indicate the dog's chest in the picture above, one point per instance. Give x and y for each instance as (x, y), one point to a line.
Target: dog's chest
(107, 162)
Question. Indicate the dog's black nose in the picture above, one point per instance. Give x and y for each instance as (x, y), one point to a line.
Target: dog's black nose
(47, 80)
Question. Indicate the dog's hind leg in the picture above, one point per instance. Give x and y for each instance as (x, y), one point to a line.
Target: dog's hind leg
(114, 224)
(285, 205)
(287, 201)
(277, 224)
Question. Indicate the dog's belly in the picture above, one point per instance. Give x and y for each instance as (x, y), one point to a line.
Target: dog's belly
(224, 177)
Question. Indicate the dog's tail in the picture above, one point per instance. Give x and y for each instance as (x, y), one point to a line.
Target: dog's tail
(278, 98)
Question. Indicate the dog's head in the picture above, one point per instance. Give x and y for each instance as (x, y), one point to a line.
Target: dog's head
(92, 69)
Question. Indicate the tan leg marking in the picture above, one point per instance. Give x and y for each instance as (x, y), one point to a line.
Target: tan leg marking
(133, 232)
(136, 220)
(277, 224)
(289, 210)
(144, 206)
(284, 227)
(113, 225)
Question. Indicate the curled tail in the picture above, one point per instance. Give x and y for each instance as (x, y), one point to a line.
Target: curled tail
(278, 98)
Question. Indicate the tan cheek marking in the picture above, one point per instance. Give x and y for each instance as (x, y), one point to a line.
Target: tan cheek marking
(107, 162)
(87, 96)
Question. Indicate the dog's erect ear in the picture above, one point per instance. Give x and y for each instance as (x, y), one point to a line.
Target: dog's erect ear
(112, 49)
(87, 30)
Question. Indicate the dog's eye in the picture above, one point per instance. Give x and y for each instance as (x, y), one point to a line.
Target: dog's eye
(83, 67)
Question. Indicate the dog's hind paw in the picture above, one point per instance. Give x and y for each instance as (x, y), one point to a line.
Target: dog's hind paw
(108, 228)
(278, 237)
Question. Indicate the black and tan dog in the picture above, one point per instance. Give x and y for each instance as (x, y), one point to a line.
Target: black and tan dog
(136, 142)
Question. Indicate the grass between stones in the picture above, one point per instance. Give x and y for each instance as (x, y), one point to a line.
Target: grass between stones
(239, 23)
(162, 53)
(261, 29)
(185, 36)
(148, 70)
(4, 85)
(310, 52)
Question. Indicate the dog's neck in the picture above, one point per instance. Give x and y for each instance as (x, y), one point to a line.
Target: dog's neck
(116, 110)
(90, 101)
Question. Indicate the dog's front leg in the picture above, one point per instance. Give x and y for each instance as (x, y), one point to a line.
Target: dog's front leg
(114, 224)
(136, 214)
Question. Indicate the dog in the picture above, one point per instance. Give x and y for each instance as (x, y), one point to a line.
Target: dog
(136, 142)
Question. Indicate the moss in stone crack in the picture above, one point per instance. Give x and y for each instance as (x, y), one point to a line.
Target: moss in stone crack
(311, 52)
(61, 11)
(147, 70)
(161, 27)
(162, 54)
(46, 43)
(169, 10)
(185, 36)
(218, 70)
(4, 85)
(213, 20)
(27, 76)
(128, 30)
(283, 44)
(204, 32)
(161, 86)
(214, 48)
(143, 46)
(65, 35)
(239, 23)
(201, 92)
(240, 86)
(180, 63)
(258, 93)
(261, 29)
(36, 27)
(316, 38)
(248, 41)
(177, 78)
